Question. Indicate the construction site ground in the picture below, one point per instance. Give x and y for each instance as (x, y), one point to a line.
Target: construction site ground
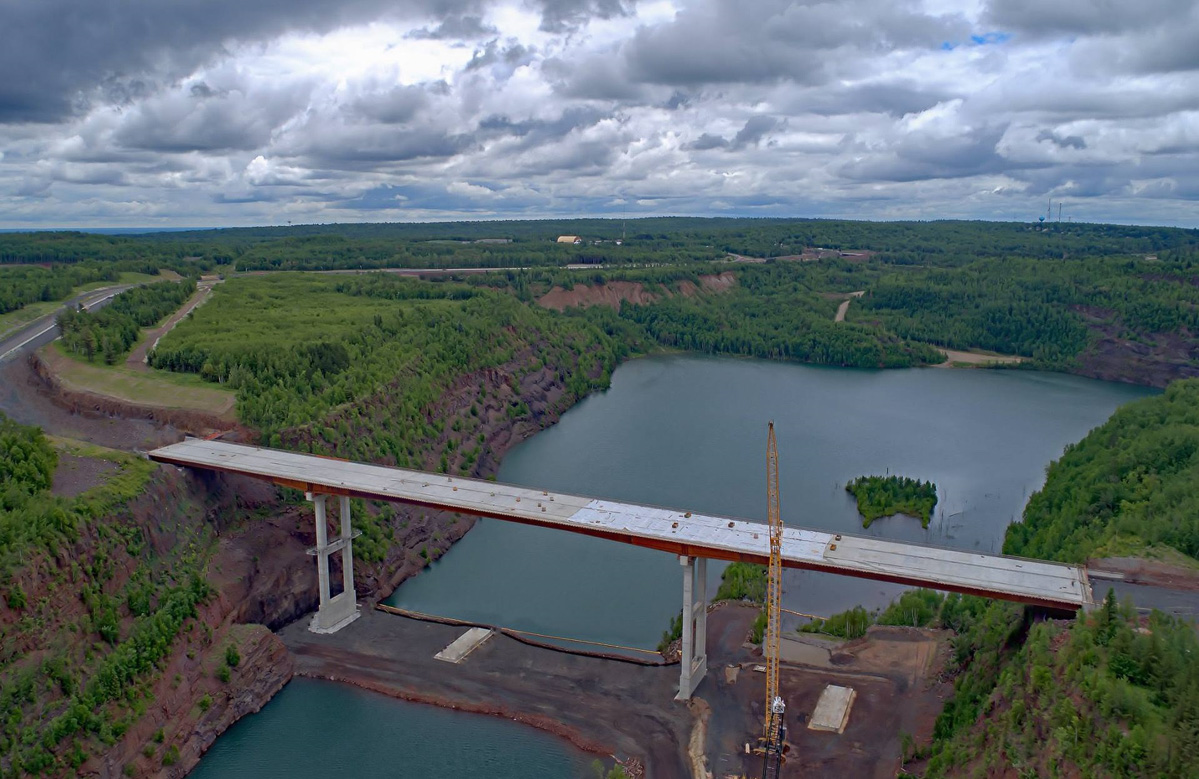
(627, 710)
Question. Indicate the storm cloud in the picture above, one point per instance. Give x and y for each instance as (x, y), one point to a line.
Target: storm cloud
(133, 112)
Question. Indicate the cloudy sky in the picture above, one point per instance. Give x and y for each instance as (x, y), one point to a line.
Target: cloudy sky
(242, 112)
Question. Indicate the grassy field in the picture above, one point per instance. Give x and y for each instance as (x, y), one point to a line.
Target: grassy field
(147, 388)
(283, 310)
(23, 316)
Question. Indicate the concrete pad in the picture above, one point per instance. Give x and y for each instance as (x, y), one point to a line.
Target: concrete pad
(832, 710)
(463, 645)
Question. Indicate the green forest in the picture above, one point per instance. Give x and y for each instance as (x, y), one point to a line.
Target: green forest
(20, 286)
(1105, 695)
(295, 348)
(112, 331)
(1102, 300)
(883, 496)
(1132, 483)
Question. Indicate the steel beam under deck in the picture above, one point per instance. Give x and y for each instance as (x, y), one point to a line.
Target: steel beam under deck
(684, 533)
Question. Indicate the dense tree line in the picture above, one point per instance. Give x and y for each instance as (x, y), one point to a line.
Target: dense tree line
(532, 243)
(21, 286)
(882, 496)
(1110, 694)
(1037, 308)
(1132, 482)
(112, 331)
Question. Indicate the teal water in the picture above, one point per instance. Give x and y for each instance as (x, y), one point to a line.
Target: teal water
(325, 729)
(690, 432)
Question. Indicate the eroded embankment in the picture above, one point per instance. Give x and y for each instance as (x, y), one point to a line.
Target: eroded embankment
(614, 293)
(99, 406)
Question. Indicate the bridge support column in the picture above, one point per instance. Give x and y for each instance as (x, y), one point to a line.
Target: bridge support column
(694, 662)
(334, 613)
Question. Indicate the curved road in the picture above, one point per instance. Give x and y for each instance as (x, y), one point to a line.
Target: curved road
(43, 330)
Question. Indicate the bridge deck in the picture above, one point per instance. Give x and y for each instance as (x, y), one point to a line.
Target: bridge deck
(671, 530)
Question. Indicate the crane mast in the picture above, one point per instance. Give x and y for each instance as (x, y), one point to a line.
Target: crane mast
(774, 731)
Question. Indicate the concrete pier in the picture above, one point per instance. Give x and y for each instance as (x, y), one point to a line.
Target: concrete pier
(334, 612)
(694, 664)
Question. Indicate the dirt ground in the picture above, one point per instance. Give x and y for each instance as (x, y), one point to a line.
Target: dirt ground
(76, 475)
(843, 309)
(22, 400)
(602, 706)
(895, 672)
(976, 358)
(610, 707)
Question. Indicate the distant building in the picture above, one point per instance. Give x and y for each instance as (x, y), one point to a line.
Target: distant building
(569, 239)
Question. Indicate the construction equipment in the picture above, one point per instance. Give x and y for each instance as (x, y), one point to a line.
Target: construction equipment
(774, 730)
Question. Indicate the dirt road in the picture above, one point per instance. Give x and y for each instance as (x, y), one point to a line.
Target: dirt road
(150, 338)
(844, 307)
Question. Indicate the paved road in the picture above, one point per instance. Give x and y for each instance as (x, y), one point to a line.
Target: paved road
(1180, 603)
(42, 331)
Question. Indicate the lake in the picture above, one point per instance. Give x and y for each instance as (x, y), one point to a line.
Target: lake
(689, 432)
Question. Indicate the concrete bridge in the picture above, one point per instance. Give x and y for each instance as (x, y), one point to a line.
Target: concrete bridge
(695, 538)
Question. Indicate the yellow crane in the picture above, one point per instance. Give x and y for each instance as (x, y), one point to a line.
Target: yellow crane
(774, 731)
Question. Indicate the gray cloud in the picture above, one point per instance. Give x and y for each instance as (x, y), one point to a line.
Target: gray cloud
(1062, 142)
(457, 28)
(1083, 17)
(565, 15)
(205, 113)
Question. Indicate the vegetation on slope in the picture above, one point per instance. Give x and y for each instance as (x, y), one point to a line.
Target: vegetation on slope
(74, 671)
(883, 496)
(112, 331)
(390, 370)
(1106, 695)
(296, 348)
(1133, 480)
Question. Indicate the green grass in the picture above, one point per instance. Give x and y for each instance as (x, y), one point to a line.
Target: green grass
(285, 309)
(1131, 546)
(149, 387)
(14, 320)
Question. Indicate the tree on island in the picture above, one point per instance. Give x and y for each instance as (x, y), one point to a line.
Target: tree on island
(883, 496)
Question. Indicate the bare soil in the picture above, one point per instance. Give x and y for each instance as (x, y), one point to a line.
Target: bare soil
(895, 672)
(76, 475)
(26, 398)
(612, 707)
(957, 358)
(613, 293)
(1154, 359)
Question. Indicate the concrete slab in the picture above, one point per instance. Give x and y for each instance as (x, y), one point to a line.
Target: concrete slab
(463, 645)
(1052, 585)
(832, 710)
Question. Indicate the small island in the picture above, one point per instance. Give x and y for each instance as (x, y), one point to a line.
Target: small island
(882, 496)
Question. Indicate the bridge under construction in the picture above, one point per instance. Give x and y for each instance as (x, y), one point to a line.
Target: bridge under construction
(694, 537)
